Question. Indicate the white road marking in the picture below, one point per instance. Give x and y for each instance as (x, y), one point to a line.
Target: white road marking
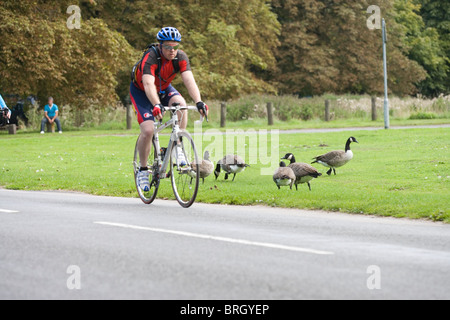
(8, 211)
(215, 238)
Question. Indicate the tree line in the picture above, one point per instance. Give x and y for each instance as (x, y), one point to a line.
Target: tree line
(299, 47)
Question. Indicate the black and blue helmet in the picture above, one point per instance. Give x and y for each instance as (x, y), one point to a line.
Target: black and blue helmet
(169, 34)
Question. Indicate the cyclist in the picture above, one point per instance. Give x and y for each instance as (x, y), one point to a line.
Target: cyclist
(4, 108)
(151, 89)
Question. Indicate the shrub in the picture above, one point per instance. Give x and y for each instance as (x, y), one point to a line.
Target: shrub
(423, 116)
(73, 118)
(441, 104)
(240, 112)
(306, 113)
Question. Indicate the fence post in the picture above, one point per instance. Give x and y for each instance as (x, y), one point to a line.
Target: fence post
(12, 129)
(327, 110)
(78, 118)
(50, 127)
(129, 117)
(270, 113)
(374, 108)
(223, 115)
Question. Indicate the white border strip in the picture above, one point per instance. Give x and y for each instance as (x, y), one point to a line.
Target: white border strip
(215, 238)
(8, 211)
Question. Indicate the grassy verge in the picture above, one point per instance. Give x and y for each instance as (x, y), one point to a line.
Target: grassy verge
(290, 112)
(117, 127)
(400, 173)
(319, 124)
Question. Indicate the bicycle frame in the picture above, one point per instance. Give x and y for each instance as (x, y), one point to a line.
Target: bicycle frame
(163, 164)
(183, 166)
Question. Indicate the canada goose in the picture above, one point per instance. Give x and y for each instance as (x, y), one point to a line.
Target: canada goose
(284, 176)
(231, 164)
(336, 159)
(304, 173)
(206, 167)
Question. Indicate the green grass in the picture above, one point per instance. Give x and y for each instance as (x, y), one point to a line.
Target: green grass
(214, 123)
(319, 124)
(400, 173)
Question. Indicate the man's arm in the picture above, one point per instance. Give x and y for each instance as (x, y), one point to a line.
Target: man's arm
(7, 112)
(56, 115)
(194, 92)
(150, 89)
(191, 86)
(151, 92)
(46, 115)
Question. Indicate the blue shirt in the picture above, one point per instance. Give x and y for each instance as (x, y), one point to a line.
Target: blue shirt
(51, 112)
(2, 103)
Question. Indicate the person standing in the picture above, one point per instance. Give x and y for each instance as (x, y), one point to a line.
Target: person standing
(51, 112)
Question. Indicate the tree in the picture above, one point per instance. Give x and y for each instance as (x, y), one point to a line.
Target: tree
(228, 42)
(436, 14)
(326, 46)
(40, 55)
(305, 47)
(304, 61)
(432, 49)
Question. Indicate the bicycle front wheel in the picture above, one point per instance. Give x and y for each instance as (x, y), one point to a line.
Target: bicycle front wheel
(147, 196)
(185, 173)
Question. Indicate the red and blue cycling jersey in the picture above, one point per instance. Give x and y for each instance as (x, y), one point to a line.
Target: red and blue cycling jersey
(167, 73)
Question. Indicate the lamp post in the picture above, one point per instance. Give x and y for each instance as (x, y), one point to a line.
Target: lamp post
(386, 97)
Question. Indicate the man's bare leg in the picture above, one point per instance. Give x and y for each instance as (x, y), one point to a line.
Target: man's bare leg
(182, 115)
(145, 141)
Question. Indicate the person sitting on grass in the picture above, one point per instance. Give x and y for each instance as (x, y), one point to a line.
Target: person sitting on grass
(4, 109)
(50, 116)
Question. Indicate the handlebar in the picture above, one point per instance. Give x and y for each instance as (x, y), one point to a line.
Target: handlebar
(178, 108)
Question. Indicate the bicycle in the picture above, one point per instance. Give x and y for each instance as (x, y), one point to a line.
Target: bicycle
(185, 178)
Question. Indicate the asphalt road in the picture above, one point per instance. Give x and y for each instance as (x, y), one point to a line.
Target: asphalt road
(116, 248)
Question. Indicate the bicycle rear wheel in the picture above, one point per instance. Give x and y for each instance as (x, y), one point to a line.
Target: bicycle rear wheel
(147, 196)
(185, 178)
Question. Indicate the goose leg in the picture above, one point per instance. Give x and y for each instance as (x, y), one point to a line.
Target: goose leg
(309, 187)
(329, 172)
(334, 171)
(234, 177)
(217, 171)
(226, 176)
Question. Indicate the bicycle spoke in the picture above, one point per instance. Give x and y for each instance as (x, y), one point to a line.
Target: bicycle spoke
(185, 179)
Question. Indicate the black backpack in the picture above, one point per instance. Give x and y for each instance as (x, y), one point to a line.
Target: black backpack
(155, 48)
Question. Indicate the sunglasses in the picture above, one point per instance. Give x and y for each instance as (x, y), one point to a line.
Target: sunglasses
(169, 47)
